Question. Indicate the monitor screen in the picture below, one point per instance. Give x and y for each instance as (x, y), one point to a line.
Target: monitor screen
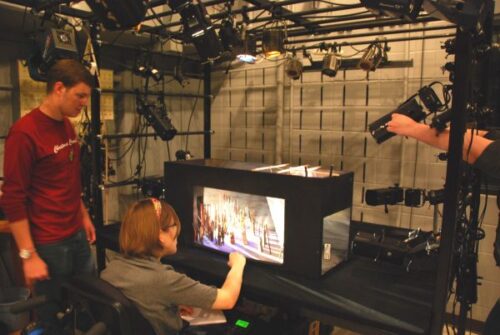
(228, 221)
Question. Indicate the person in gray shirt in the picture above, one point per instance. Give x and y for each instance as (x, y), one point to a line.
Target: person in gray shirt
(149, 232)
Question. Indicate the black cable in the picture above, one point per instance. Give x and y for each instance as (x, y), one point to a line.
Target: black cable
(192, 113)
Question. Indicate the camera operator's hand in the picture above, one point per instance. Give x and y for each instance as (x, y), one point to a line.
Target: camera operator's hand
(403, 125)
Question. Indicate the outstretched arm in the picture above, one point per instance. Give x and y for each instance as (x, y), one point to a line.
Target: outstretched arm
(405, 126)
(228, 294)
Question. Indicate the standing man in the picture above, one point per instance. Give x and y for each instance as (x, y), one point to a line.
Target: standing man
(42, 188)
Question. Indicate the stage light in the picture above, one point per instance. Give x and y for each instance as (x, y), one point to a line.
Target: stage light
(52, 45)
(384, 196)
(273, 42)
(440, 121)
(152, 187)
(293, 67)
(373, 57)
(230, 36)
(404, 9)
(410, 108)
(115, 15)
(430, 99)
(414, 197)
(248, 50)
(182, 155)
(331, 64)
(157, 118)
(198, 27)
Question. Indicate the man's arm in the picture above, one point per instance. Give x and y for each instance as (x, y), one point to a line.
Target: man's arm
(405, 126)
(34, 267)
(87, 223)
(18, 161)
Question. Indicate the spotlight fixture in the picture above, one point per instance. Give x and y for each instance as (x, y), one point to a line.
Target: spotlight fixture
(331, 63)
(430, 99)
(115, 15)
(52, 45)
(248, 49)
(384, 196)
(158, 119)
(230, 36)
(404, 9)
(373, 56)
(273, 42)
(410, 108)
(293, 67)
(198, 27)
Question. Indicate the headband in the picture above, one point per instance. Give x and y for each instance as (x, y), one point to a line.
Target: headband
(157, 206)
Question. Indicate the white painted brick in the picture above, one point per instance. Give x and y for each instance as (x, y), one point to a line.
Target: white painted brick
(311, 96)
(237, 155)
(254, 139)
(220, 153)
(355, 94)
(238, 138)
(221, 137)
(331, 143)
(270, 76)
(254, 98)
(237, 98)
(270, 140)
(390, 93)
(354, 120)
(238, 118)
(308, 77)
(254, 118)
(354, 144)
(387, 171)
(220, 118)
(333, 93)
(254, 156)
(332, 119)
(237, 79)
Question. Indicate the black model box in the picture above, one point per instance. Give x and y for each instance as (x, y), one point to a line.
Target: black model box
(295, 219)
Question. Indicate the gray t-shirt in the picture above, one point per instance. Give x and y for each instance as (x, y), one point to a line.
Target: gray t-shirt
(157, 289)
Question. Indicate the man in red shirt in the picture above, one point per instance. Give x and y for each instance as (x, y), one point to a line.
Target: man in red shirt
(42, 189)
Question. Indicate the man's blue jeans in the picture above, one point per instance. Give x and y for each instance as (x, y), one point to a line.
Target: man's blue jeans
(64, 259)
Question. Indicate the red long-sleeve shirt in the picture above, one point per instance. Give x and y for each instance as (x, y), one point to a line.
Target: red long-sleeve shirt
(42, 177)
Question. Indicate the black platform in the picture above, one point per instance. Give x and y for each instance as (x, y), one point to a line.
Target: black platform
(368, 297)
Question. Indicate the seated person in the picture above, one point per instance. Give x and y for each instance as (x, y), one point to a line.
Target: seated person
(149, 232)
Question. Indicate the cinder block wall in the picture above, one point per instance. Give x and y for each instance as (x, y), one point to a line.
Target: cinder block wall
(325, 122)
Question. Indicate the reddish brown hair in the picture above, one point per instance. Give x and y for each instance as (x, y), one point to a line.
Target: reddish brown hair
(140, 230)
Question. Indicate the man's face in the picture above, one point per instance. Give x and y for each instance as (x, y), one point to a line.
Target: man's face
(73, 99)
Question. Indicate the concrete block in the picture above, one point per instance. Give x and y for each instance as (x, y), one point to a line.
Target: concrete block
(331, 119)
(238, 118)
(386, 93)
(354, 120)
(238, 138)
(355, 93)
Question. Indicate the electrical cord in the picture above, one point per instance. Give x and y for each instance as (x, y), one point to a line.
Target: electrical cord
(191, 114)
